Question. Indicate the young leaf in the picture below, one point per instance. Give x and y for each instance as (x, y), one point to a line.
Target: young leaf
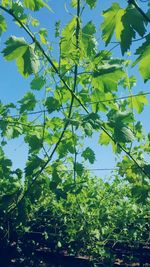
(112, 23)
(89, 155)
(3, 25)
(104, 139)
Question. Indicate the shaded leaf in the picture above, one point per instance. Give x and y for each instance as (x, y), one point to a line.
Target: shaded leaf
(37, 83)
(133, 22)
(91, 3)
(89, 155)
(28, 102)
(52, 104)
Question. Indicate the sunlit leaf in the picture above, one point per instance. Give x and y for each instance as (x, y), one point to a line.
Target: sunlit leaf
(112, 22)
(3, 25)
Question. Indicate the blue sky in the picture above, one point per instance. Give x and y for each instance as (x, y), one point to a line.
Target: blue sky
(14, 86)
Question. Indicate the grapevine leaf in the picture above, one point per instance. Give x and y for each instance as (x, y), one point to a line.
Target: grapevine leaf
(37, 83)
(33, 164)
(88, 39)
(3, 25)
(34, 143)
(112, 23)
(106, 80)
(138, 103)
(144, 58)
(89, 155)
(79, 168)
(104, 139)
(52, 104)
(23, 53)
(133, 22)
(123, 134)
(28, 63)
(43, 35)
(91, 3)
(36, 5)
(28, 102)
(15, 47)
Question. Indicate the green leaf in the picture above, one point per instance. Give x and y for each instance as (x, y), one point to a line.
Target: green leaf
(37, 83)
(89, 155)
(28, 102)
(123, 134)
(35, 5)
(52, 104)
(88, 39)
(133, 22)
(43, 35)
(68, 41)
(79, 168)
(23, 53)
(104, 139)
(91, 3)
(112, 23)
(3, 25)
(34, 142)
(15, 47)
(33, 164)
(28, 64)
(144, 58)
(107, 79)
(138, 102)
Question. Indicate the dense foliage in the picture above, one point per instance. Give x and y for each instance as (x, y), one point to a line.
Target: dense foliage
(56, 194)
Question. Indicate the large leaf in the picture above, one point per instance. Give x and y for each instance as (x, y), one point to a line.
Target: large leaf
(133, 22)
(144, 58)
(3, 25)
(107, 79)
(24, 54)
(112, 22)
